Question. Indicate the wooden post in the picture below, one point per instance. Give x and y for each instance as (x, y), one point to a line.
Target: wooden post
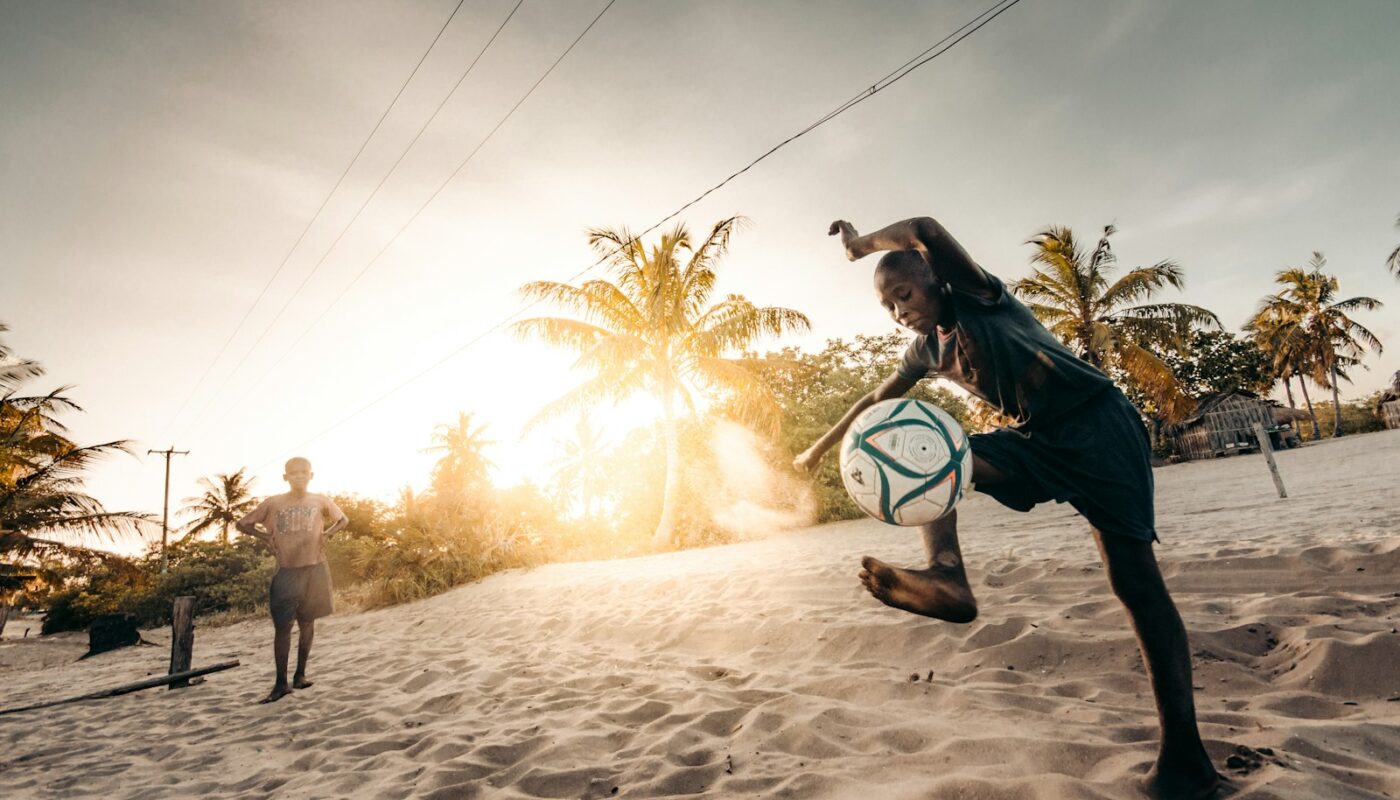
(181, 639)
(4, 617)
(1268, 451)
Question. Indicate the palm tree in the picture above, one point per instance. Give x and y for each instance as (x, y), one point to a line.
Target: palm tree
(1278, 336)
(42, 506)
(463, 466)
(1318, 336)
(579, 469)
(1105, 323)
(655, 330)
(227, 498)
(1393, 262)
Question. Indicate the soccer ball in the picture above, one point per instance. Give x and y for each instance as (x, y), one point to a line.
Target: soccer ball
(906, 462)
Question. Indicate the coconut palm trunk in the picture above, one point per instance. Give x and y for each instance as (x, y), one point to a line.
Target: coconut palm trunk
(1288, 390)
(1317, 431)
(666, 525)
(1336, 404)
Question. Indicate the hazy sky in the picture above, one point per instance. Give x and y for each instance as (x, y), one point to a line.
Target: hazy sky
(158, 160)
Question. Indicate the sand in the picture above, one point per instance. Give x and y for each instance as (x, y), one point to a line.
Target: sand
(763, 670)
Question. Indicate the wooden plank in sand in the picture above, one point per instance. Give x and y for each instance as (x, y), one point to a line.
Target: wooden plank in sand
(181, 639)
(1268, 451)
(149, 683)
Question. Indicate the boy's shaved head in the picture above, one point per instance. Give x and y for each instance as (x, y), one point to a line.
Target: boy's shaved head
(910, 291)
(905, 264)
(298, 461)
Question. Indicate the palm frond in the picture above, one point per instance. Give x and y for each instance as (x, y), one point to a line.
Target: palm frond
(741, 383)
(601, 389)
(1140, 284)
(736, 323)
(598, 302)
(573, 334)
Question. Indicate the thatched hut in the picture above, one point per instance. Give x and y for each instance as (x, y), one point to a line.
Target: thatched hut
(1224, 424)
(1388, 407)
(1390, 414)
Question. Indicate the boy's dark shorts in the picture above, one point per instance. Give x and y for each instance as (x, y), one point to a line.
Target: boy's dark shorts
(1097, 458)
(300, 593)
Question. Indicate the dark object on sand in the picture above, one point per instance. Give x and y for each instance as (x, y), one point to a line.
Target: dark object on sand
(110, 631)
(149, 683)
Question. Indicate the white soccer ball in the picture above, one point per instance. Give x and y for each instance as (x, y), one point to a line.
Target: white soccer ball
(906, 462)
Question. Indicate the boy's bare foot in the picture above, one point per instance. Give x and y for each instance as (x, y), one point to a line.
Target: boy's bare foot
(278, 692)
(1198, 781)
(937, 592)
(300, 682)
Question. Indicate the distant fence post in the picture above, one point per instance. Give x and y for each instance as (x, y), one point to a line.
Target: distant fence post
(181, 639)
(1268, 451)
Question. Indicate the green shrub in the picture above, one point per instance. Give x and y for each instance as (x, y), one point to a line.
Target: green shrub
(436, 547)
(221, 577)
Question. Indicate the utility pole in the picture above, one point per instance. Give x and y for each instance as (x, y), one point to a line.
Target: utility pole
(165, 515)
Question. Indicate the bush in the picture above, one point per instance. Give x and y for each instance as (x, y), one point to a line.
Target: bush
(436, 547)
(221, 577)
(1358, 416)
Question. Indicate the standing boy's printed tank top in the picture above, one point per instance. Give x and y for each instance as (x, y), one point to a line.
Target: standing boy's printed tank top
(997, 350)
(296, 526)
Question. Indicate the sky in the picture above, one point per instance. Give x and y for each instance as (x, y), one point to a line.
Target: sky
(158, 161)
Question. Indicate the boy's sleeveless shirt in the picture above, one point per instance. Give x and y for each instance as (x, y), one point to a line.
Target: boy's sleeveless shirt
(999, 351)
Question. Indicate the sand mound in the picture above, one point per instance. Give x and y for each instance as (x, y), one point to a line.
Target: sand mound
(763, 669)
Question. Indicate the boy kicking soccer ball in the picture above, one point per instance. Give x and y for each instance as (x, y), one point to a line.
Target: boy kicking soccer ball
(1077, 440)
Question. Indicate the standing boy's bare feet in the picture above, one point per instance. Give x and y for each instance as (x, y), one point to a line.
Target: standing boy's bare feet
(938, 592)
(300, 682)
(278, 692)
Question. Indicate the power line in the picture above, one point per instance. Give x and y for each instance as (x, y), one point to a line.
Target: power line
(425, 204)
(885, 82)
(373, 193)
(239, 327)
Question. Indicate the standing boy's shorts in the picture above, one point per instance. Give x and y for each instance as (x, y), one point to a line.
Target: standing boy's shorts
(300, 593)
(1097, 458)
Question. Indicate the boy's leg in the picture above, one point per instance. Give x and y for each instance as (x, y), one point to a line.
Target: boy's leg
(941, 590)
(1183, 769)
(281, 648)
(306, 631)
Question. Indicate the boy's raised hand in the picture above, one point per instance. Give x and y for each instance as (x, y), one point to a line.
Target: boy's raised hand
(848, 235)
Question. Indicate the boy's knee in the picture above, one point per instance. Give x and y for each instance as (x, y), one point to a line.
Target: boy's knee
(1132, 572)
(1138, 595)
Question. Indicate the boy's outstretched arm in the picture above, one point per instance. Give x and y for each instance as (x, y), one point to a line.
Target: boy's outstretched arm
(949, 260)
(894, 386)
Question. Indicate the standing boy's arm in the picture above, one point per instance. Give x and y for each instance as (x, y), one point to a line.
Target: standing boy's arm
(895, 385)
(338, 525)
(341, 521)
(248, 525)
(949, 260)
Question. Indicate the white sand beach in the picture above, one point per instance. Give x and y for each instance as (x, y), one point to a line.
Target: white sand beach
(764, 670)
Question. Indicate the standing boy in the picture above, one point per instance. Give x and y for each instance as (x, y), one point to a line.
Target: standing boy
(294, 526)
(1077, 440)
